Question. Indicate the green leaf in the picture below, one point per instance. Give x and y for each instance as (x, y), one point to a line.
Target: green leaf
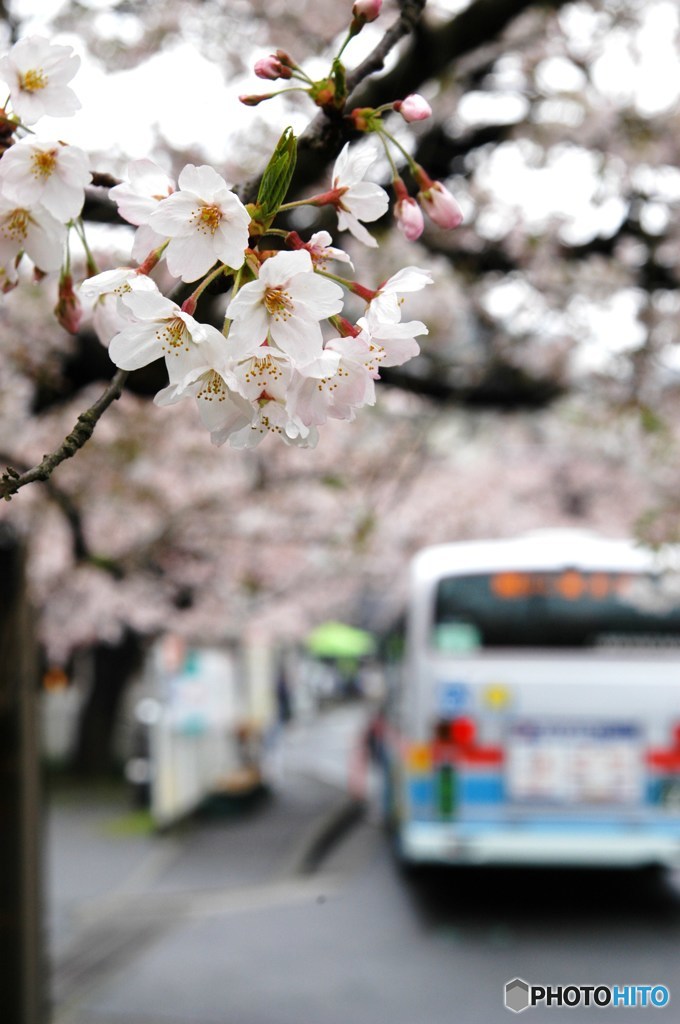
(339, 79)
(277, 177)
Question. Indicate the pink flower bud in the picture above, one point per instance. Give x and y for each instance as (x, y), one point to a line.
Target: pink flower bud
(68, 310)
(409, 218)
(414, 108)
(441, 206)
(252, 101)
(366, 10)
(271, 67)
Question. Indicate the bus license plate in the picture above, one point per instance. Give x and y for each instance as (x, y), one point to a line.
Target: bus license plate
(574, 763)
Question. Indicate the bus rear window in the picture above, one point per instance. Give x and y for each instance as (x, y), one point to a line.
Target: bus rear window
(556, 609)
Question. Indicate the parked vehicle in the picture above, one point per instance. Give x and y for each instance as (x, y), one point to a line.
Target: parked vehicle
(204, 727)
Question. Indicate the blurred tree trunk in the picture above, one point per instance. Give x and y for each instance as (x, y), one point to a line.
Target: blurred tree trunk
(23, 997)
(113, 665)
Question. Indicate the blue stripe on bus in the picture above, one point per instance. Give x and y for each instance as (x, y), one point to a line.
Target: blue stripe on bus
(472, 789)
(421, 791)
(488, 789)
(480, 789)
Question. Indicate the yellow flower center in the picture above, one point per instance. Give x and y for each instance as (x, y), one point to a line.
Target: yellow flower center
(33, 81)
(263, 370)
(173, 336)
(43, 163)
(278, 303)
(207, 219)
(212, 387)
(15, 225)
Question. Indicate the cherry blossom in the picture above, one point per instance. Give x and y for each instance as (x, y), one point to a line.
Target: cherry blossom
(409, 218)
(274, 66)
(322, 251)
(222, 411)
(49, 173)
(386, 304)
(357, 200)
(33, 230)
(286, 303)
(414, 108)
(389, 343)
(367, 10)
(272, 417)
(340, 394)
(159, 328)
(265, 371)
(37, 73)
(205, 222)
(105, 290)
(137, 199)
(441, 205)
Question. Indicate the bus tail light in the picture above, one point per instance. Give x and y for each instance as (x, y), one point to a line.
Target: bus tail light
(456, 742)
(463, 732)
(666, 759)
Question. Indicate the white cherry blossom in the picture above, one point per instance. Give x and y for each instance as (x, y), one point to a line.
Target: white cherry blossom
(389, 343)
(159, 328)
(37, 72)
(138, 198)
(359, 200)
(49, 173)
(105, 290)
(222, 411)
(32, 230)
(341, 393)
(286, 304)
(264, 372)
(322, 251)
(272, 417)
(205, 222)
(387, 303)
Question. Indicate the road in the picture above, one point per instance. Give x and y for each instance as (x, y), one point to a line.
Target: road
(230, 922)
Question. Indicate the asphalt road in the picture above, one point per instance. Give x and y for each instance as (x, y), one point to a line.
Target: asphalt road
(229, 922)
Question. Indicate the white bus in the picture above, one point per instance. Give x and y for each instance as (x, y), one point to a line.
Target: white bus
(532, 713)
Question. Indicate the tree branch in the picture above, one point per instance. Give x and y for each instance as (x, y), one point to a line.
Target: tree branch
(11, 481)
(411, 13)
(325, 136)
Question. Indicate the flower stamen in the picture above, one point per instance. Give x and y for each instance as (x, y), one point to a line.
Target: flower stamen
(207, 219)
(43, 163)
(212, 387)
(33, 80)
(173, 336)
(16, 224)
(278, 303)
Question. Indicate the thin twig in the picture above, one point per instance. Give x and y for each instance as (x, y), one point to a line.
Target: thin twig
(11, 481)
(325, 136)
(411, 12)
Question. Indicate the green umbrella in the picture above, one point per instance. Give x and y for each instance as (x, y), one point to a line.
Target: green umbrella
(337, 640)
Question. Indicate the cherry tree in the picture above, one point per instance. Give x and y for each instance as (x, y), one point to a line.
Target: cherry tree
(477, 219)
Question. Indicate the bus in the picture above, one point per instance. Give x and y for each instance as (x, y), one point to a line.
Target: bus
(532, 704)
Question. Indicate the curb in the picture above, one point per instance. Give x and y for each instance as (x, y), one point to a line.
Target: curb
(323, 835)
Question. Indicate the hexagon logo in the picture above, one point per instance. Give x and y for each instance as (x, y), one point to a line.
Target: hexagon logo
(516, 995)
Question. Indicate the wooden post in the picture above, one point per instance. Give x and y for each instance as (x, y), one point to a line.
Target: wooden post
(22, 967)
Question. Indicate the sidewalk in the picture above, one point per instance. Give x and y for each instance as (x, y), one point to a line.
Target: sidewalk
(116, 889)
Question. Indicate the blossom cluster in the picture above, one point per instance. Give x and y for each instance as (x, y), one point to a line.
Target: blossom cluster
(287, 357)
(42, 182)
